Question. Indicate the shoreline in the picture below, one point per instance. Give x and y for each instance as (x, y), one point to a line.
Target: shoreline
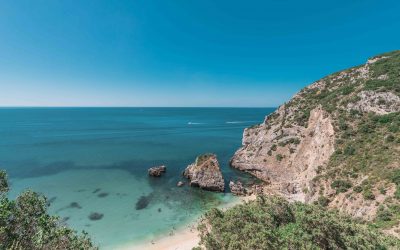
(183, 238)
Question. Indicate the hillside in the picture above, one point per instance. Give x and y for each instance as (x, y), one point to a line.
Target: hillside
(336, 143)
(273, 223)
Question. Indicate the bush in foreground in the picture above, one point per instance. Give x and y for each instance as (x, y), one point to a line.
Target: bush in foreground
(273, 223)
(25, 224)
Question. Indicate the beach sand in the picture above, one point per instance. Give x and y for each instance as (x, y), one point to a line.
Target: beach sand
(184, 238)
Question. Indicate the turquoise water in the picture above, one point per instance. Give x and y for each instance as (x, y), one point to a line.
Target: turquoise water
(89, 160)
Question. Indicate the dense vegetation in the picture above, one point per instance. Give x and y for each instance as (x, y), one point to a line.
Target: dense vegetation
(25, 224)
(273, 223)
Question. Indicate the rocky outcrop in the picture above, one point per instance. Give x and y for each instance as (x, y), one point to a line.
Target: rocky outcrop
(287, 158)
(332, 142)
(180, 184)
(157, 171)
(376, 102)
(205, 173)
(237, 188)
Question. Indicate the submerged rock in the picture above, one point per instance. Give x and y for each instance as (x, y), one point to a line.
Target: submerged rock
(51, 200)
(237, 188)
(96, 216)
(74, 205)
(157, 171)
(101, 195)
(205, 173)
(143, 202)
(180, 184)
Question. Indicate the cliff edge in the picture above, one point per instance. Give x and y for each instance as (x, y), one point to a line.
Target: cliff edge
(336, 143)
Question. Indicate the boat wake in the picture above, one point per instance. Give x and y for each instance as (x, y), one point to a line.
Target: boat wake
(238, 122)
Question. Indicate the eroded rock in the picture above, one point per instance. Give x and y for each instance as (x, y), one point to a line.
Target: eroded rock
(205, 173)
(157, 171)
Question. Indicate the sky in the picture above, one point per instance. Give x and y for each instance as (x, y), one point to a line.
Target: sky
(181, 53)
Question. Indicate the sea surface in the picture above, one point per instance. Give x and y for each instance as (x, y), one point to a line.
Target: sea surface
(95, 160)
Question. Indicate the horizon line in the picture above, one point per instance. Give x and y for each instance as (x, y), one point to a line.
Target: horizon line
(5, 107)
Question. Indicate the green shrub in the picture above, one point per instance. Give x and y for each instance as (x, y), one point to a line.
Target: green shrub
(395, 177)
(25, 224)
(357, 189)
(349, 150)
(347, 90)
(384, 214)
(273, 223)
(397, 192)
(389, 138)
(342, 125)
(323, 201)
(341, 186)
(367, 194)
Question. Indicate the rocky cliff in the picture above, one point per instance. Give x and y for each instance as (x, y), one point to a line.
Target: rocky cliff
(336, 143)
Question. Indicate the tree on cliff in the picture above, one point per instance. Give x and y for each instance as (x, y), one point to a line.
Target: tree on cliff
(25, 224)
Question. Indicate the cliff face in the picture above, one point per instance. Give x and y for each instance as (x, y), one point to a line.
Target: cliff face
(287, 157)
(336, 142)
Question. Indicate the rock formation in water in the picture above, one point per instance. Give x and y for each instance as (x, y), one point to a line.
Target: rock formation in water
(157, 171)
(205, 173)
(95, 216)
(336, 143)
(143, 201)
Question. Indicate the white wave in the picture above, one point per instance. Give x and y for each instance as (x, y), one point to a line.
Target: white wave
(238, 122)
(194, 123)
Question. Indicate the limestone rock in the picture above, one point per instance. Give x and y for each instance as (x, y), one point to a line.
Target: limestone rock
(205, 173)
(237, 188)
(157, 171)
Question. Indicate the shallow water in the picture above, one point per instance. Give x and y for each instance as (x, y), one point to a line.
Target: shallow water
(88, 160)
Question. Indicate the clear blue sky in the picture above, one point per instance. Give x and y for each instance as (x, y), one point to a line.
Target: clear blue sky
(183, 52)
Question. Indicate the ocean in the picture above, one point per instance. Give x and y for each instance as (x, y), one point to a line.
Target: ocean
(95, 160)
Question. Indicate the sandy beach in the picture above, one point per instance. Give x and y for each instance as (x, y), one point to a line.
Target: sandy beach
(184, 238)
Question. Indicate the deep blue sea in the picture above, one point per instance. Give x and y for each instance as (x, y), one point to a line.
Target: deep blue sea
(89, 160)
